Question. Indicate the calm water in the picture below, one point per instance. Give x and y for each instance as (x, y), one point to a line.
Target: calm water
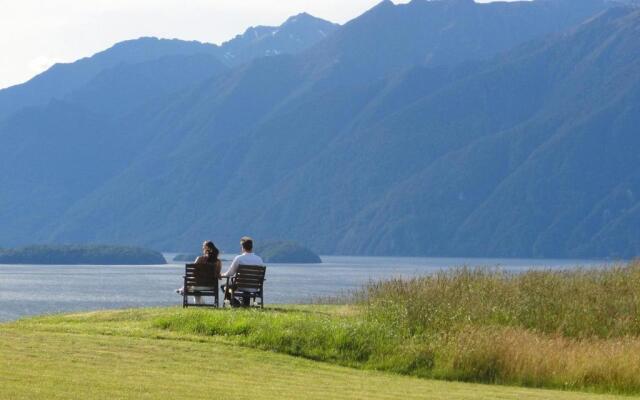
(42, 289)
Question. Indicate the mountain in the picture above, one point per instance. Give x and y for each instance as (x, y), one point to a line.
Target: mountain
(119, 90)
(392, 37)
(460, 144)
(294, 35)
(477, 168)
(61, 79)
(71, 129)
(486, 171)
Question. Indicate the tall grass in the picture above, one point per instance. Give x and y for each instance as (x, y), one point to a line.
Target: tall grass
(575, 329)
(587, 303)
(517, 356)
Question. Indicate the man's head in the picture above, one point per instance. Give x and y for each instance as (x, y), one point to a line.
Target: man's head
(247, 244)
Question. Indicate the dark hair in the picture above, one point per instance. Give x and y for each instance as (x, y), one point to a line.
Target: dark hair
(247, 244)
(212, 252)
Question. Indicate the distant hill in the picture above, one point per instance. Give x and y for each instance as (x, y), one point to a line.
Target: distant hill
(438, 128)
(85, 254)
(186, 257)
(285, 252)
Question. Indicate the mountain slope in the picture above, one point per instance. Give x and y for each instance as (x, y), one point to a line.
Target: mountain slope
(390, 37)
(61, 79)
(123, 89)
(95, 111)
(391, 197)
(527, 190)
(294, 35)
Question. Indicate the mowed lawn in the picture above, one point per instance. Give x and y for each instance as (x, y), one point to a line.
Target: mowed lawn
(119, 355)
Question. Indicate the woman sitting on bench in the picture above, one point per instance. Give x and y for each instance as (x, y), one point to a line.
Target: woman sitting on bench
(208, 259)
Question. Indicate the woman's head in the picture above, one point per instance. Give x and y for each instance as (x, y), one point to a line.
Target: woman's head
(209, 249)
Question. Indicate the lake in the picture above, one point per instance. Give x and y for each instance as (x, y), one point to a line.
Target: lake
(43, 289)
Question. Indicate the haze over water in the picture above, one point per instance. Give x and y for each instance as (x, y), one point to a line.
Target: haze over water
(43, 289)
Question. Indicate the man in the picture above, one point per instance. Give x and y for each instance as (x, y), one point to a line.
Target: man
(246, 258)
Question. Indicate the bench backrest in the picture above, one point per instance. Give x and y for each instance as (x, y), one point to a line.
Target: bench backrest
(201, 275)
(250, 276)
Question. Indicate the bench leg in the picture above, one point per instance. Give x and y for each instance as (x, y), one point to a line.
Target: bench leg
(227, 294)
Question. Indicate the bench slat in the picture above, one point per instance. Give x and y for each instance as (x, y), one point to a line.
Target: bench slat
(251, 268)
(249, 278)
(248, 282)
(254, 274)
(257, 276)
(249, 290)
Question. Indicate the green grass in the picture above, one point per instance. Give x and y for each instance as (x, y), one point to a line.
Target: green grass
(131, 355)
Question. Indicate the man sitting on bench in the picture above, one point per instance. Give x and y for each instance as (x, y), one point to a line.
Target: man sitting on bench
(246, 258)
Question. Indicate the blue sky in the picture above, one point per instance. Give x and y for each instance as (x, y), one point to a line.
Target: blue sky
(34, 34)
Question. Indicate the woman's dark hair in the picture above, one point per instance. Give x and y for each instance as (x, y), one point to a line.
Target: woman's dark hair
(212, 252)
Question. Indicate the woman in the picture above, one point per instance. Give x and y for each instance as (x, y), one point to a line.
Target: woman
(208, 259)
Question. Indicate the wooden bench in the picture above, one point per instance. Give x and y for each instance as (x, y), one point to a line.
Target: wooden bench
(200, 280)
(246, 285)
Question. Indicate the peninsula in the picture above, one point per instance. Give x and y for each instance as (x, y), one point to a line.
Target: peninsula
(286, 252)
(81, 254)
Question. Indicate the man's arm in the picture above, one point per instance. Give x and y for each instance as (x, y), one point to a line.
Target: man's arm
(232, 268)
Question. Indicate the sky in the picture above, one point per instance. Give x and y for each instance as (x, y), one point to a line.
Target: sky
(35, 34)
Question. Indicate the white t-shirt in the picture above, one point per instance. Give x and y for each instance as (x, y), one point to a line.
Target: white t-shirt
(242, 259)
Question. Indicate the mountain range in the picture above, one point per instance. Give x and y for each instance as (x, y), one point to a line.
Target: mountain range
(439, 128)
